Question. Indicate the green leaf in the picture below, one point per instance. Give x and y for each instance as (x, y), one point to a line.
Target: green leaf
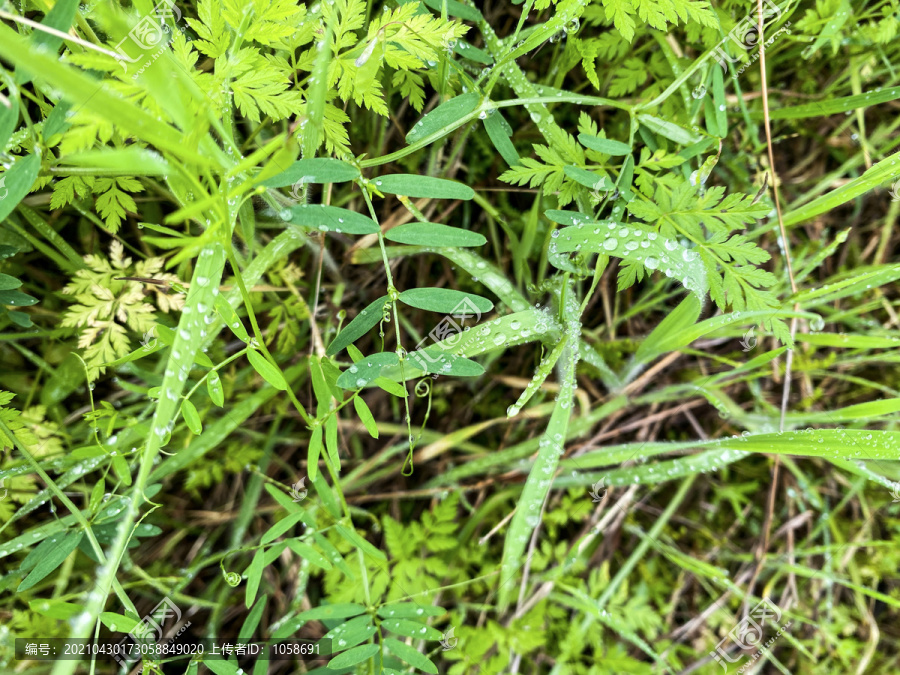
(267, 371)
(284, 525)
(886, 170)
(362, 372)
(15, 184)
(314, 170)
(411, 629)
(589, 179)
(97, 493)
(214, 388)
(254, 576)
(408, 610)
(414, 185)
(332, 219)
(118, 623)
(220, 667)
(365, 416)
(351, 633)
(495, 126)
(353, 656)
(362, 323)
(53, 556)
(446, 301)
(338, 611)
(442, 363)
(444, 116)
(605, 145)
(391, 387)
(410, 655)
(55, 609)
(359, 542)
(832, 106)
(314, 451)
(7, 282)
(9, 118)
(433, 234)
(307, 552)
(669, 130)
(230, 317)
(632, 243)
(121, 159)
(540, 375)
(191, 417)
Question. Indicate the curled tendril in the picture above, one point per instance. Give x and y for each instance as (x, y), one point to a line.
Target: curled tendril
(423, 387)
(233, 579)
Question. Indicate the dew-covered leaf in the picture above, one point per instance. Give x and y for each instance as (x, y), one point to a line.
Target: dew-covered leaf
(411, 656)
(433, 234)
(445, 115)
(632, 243)
(442, 363)
(332, 219)
(191, 417)
(446, 301)
(364, 371)
(353, 656)
(362, 323)
(314, 170)
(414, 185)
(605, 145)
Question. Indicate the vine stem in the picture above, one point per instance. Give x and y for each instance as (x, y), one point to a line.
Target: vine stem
(268, 356)
(393, 295)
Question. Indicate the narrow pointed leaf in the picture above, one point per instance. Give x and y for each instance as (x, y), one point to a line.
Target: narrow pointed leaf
(267, 371)
(307, 552)
(412, 656)
(368, 369)
(254, 575)
(605, 145)
(191, 417)
(353, 656)
(314, 452)
(365, 416)
(446, 301)
(433, 234)
(53, 557)
(442, 363)
(362, 323)
(589, 179)
(332, 219)
(445, 115)
(414, 185)
(496, 131)
(314, 170)
(15, 185)
(214, 388)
